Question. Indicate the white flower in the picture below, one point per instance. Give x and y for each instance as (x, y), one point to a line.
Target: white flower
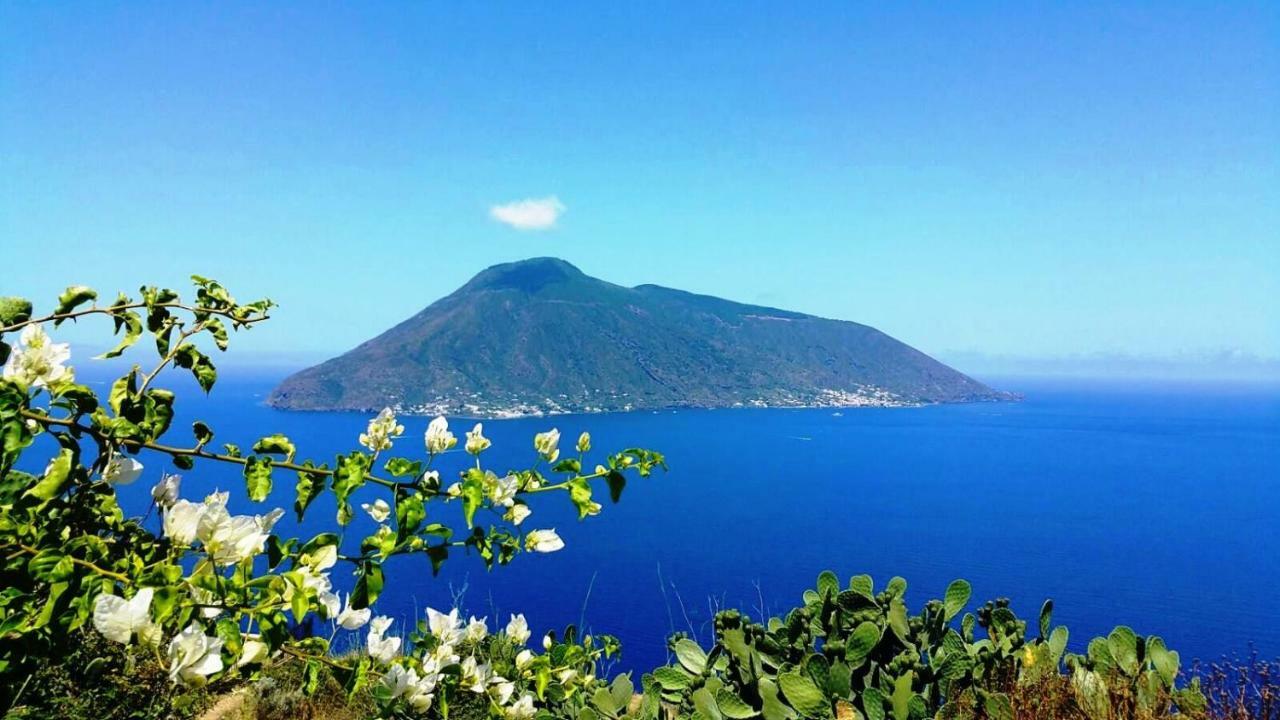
(443, 655)
(522, 709)
(379, 510)
(193, 656)
(151, 634)
(37, 362)
(121, 470)
(475, 676)
(323, 558)
(118, 619)
(351, 619)
(331, 603)
(548, 444)
(543, 541)
(254, 651)
(500, 689)
(584, 442)
(438, 437)
(165, 493)
(517, 513)
(523, 659)
(518, 629)
(419, 693)
(501, 491)
(446, 628)
(381, 430)
(566, 675)
(476, 630)
(181, 521)
(397, 680)
(381, 648)
(476, 441)
(547, 642)
(454, 490)
(229, 539)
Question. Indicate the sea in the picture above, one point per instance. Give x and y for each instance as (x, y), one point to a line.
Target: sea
(1150, 504)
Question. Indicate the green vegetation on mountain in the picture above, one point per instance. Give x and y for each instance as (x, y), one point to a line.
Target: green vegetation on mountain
(541, 336)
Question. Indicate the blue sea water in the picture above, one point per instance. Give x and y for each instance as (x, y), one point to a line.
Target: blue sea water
(1156, 506)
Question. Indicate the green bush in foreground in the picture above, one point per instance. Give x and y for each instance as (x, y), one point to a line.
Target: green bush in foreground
(850, 652)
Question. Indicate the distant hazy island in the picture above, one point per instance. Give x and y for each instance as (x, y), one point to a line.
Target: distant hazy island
(540, 337)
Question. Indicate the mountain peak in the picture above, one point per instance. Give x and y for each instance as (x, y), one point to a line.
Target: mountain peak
(539, 336)
(525, 275)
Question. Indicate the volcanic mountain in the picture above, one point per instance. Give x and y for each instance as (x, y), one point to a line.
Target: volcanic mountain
(540, 336)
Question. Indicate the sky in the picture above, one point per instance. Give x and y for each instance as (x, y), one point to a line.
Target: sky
(978, 180)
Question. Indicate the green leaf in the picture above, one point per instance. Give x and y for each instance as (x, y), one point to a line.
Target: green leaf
(276, 445)
(873, 702)
(897, 618)
(732, 706)
(772, 707)
(1164, 660)
(1123, 644)
(14, 310)
(368, 585)
(308, 487)
(672, 678)
(828, 584)
(580, 495)
(70, 299)
(202, 433)
(133, 330)
(1046, 617)
(403, 467)
(691, 656)
(901, 700)
(958, 594)
(218, 331)
(50, 566)
(862, 641)
(55, 477)
(617, 482)
(201, 367)
(410, 512)
(257, 477)
(705, 704)
(997, 705)
(803, 695)
(1058, 641)
(348, 475)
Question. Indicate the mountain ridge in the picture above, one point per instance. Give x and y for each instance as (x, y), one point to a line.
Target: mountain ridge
(540, 336)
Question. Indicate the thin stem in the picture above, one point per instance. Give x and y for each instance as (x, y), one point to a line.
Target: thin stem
(95, 310)
(82, 563)
(183, 336)
(196, 452)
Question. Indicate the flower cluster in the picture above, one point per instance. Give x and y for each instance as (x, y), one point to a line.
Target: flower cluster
(382, 429)
(38, 362)
(227, 539)
(452, 656)
(209, 593)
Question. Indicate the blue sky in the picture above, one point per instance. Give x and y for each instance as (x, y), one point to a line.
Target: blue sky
(1042, 180)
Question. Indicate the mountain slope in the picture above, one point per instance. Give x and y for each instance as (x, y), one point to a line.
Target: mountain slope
(541, 336)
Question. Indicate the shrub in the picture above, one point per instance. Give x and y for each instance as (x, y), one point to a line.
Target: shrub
(214, 597)
(851, 652)
(96, 679)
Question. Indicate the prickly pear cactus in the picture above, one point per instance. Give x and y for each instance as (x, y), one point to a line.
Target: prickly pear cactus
(851, 652)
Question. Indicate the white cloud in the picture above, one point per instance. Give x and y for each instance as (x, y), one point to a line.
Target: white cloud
(530, 213)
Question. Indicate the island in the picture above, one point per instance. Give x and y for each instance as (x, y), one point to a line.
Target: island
(540, 337)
